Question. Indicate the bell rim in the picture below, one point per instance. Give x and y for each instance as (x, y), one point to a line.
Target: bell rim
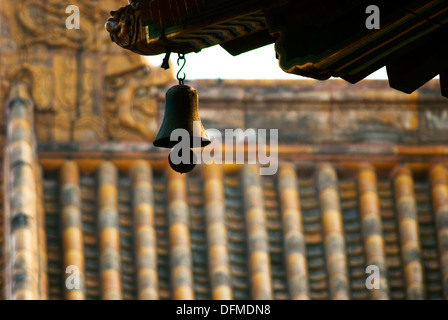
(166, 142)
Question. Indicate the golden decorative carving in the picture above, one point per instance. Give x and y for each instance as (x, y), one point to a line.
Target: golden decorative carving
(84, 87)
(39, 80)
(124, 25)
(130, 95)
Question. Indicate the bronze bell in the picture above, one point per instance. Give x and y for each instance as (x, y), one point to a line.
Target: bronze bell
(181, 111)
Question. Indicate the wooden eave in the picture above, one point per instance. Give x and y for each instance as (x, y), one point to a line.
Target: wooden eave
(316, 39)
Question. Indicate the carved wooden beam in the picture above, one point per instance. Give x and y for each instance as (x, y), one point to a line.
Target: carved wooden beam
(125, 28)
(151, 27)
(313, 38)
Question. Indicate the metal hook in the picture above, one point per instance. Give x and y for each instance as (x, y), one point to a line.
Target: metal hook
(181, 57)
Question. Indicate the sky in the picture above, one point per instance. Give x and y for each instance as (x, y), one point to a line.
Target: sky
(216, 63)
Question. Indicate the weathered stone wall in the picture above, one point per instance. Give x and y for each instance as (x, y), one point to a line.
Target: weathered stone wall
(85, 88)
(331, 112)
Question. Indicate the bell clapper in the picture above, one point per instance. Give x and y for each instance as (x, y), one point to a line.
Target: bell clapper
(183, 167)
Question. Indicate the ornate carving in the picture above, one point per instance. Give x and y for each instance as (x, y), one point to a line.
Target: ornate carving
(39, 80)
(43, 22)
(84, 87)
(130, 97)
(124, 25)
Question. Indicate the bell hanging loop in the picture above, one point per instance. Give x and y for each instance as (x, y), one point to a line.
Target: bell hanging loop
(181, 57)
